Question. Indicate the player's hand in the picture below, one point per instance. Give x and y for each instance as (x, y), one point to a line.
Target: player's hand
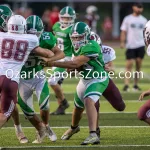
(43, 63)
(45, 59)
(145, 93)
(108, 67)
(122, 45)
(46, 62)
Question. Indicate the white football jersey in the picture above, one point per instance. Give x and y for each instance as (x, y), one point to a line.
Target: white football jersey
(108, 54)
(14, 51)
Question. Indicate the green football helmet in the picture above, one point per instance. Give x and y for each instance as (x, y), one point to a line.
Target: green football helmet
(35, 25)
(80, 34)
(67, 16)
(5, 14)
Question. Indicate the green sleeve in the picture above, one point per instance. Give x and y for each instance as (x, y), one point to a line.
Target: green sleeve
(90, 50)
(47, 40)
(55, 26)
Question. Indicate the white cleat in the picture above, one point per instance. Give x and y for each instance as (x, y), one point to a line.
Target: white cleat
(40, 136)
(21, 137)
(69, 133)
(50, 133)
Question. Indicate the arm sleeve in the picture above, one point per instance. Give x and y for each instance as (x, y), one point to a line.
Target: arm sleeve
(109, 55)
(48, 41)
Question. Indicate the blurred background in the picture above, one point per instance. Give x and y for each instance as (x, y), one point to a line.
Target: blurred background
(106, 20)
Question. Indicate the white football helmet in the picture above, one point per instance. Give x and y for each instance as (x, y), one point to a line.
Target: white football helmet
(146, 33)
(17, 24)
(95, 37)
(91, 9)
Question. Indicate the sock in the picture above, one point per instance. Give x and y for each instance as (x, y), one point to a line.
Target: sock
(73, 127)
(92, 132)
(97, 129)
(18, 128)
(64, 102)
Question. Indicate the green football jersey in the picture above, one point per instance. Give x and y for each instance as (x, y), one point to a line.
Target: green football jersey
(32, 65)
(94, 68)
(63, 39)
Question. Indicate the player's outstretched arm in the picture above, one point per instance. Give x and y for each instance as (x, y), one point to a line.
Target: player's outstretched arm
(75, 63)
(145, 93)
(43, 52)
(58, 54)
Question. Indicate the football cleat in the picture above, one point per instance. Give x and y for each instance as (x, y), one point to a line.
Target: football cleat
(61, 108)
(92, 139)
(40, 135)
(69, 133)
(126, 88)
(21, 137)
(136, 88)
(98, 132)
(50, 133)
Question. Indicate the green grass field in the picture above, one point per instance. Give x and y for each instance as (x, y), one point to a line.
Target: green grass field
(119, 131)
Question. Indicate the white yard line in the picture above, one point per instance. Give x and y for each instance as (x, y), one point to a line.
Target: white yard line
(75, 146)
(64, 127)
(117, 112)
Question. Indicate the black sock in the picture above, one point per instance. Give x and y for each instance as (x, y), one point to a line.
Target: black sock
(97, 128)
(73, 127)
(64, 102)
(92, 132)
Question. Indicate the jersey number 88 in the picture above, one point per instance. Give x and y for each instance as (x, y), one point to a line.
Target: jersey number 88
(12, 49)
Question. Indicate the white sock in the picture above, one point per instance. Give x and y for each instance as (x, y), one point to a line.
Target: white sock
(18, 128)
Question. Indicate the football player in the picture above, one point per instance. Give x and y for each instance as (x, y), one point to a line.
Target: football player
(61, 30)
(14, 51)
(89, 89)
(5, 14)
(37, 83)
(111, 93)
(144, 111)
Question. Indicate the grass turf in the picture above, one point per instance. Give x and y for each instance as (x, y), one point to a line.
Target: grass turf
(130, 135)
